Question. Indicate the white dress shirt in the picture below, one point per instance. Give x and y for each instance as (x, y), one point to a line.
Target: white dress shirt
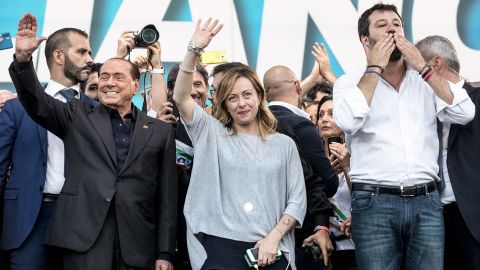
(292, 108)
(56, 155)
(447, 195)
(394, 141)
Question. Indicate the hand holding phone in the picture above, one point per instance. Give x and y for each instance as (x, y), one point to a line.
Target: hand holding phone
(251, 256)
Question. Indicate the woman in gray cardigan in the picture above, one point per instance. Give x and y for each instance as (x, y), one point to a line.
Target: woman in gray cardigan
(247, 188)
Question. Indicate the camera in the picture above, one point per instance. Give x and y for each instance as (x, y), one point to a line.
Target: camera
(146, 37)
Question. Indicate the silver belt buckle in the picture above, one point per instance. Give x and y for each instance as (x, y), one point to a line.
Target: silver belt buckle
(409, 192)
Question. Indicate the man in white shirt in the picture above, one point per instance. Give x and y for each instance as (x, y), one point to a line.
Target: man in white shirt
(37, 156)
(389, 113)
(460, 164)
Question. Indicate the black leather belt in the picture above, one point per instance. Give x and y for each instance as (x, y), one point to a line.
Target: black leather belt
(409, 191)
(49, 197)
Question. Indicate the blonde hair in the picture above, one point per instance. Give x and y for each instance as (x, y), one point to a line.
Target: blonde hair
(267, 123)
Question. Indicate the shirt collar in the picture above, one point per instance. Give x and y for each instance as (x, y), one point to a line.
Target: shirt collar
(54, 87)
(460, 83)
(112, 112)
(292, 108)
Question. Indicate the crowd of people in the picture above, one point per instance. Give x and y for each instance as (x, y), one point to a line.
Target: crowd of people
(376, 169)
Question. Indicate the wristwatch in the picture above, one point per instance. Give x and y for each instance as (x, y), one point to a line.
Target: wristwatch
(194, 48)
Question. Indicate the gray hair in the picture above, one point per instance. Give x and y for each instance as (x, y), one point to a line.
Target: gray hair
(432, 46)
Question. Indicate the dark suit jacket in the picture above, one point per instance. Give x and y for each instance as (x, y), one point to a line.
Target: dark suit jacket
(463, 164)
(311, 151)
(145, 189)
(24, 145)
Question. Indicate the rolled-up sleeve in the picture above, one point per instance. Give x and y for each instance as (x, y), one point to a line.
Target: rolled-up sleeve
(462, 109)
(350, 108)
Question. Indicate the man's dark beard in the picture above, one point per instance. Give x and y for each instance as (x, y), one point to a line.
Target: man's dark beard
(73, 72)
(396, 55)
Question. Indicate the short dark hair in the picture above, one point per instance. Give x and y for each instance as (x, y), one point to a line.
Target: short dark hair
(364, 23)
(94, 68)
(60, 40)
(222, 68)
(134, 70)
(324, 87)
(173, 73)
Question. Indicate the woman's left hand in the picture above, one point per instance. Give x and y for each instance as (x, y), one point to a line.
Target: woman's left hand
(267, 250)
(340, 153)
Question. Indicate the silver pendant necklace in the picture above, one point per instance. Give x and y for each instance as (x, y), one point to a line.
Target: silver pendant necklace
(248, 205)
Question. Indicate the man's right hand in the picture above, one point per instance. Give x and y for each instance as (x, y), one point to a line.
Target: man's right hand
(165, 113)
(125, 44)
(322, 239)
(380, 53)
(26, 41)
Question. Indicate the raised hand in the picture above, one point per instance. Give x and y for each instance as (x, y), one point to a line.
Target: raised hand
(204, 34)
(323, 62)
(410, 52)
(380, 53)
(26, 41)
(125, 43)
(141, 62)
(155, 55)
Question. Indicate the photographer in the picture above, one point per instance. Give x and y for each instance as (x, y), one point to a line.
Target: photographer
(152, 63)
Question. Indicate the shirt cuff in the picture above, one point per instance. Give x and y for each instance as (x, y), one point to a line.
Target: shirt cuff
(459, 95)
(166, 256)
(357, 103)
(21, 66)
(322, 219)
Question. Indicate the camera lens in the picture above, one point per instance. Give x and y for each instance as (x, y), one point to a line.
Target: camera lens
(149, 36)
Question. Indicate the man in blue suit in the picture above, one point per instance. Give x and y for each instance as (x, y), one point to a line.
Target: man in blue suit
(36, 157)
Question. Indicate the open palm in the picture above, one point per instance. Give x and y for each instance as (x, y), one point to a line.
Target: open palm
(26, 41)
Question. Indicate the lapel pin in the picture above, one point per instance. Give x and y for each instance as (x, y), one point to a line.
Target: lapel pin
(145, 126)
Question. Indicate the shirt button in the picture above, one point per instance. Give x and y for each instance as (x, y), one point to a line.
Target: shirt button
(108, 199)
(123, 140)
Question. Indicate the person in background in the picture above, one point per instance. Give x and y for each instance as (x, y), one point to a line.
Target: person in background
(90, 87)
(4, 96)
(460, 163)
(343, 258)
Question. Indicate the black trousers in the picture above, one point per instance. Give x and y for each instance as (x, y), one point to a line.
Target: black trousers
(105, 254)
(227, 254)
(462, 251)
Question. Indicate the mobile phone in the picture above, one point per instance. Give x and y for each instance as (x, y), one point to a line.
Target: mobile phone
(5, 41)
(251, 256)
(213, 57)
(333, 139)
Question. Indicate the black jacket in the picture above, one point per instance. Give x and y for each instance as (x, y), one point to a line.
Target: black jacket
(321, 181)
(145, 189)
(463, 163)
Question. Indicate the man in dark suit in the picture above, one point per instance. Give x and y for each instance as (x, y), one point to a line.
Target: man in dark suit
(283, 92)
(460, 163)
(117, 209)
(35, 158)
